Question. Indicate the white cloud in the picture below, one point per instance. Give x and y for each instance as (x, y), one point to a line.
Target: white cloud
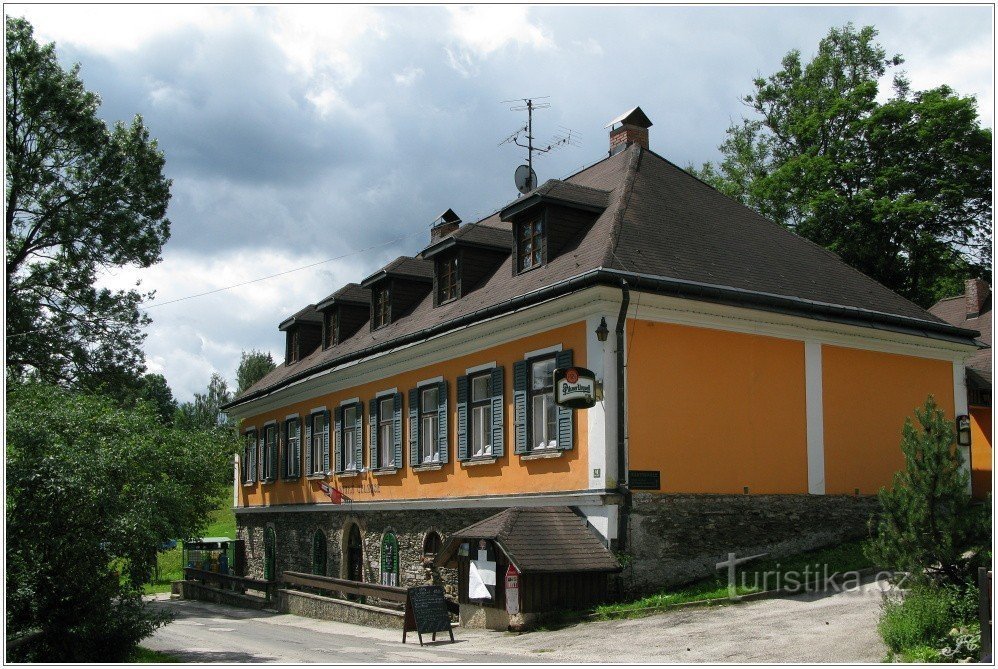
(481, 31)
(191, 339)
(109, 29)
(590, 46)
(408, 76)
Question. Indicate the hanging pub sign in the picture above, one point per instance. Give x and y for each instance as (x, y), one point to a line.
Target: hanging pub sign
(575, 388)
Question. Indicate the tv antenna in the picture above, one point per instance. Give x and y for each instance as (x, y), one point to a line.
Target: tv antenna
(525, 178)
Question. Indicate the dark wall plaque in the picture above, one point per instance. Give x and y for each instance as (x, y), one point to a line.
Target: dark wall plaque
(638, 479)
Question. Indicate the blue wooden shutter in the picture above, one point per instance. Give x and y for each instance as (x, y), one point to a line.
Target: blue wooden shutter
(282, 453)
(358, 437)
(338, 432)
(261, 459)
(372, 415)
(414, 427)
(397, 430)
(498, 409)
(443, 435)
(297, 453)
(520, 381)
(307, 434)
(565, 414)
(462, 418)
(273, 454)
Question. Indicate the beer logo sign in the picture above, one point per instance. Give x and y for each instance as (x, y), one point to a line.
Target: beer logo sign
(575, 388)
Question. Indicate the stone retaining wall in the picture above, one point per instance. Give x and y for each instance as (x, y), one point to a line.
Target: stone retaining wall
(204, 593)
(294, 531)
(676, 538)
(329, 608)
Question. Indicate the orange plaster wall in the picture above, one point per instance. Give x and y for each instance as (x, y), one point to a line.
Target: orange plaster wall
(509, 475)
(716, 411)
(980, 450)
(867, 396)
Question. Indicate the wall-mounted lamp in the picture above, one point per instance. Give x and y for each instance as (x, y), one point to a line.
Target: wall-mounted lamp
(963, 430)
(602, 331)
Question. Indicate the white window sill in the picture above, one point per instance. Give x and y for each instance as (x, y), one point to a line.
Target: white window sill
(428, 467)
(316, 477)
(542, 455)
(479, 460)
(387, 471)
(249, 484)
(349, 474)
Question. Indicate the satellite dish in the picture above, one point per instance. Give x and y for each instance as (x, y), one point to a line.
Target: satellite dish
(525, 179)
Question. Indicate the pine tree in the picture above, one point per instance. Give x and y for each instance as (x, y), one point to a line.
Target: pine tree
(927, 522)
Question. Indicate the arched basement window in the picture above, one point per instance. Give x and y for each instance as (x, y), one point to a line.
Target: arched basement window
(319, 557)
(431, 544)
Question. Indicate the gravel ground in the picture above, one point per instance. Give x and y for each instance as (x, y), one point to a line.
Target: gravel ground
(838, 627)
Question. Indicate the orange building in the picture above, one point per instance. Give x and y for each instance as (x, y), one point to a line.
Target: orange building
(972, 310)
(753, 385)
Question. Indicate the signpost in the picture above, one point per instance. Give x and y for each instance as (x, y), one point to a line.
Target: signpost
(575, 388)
(512, 591)
(426, 612)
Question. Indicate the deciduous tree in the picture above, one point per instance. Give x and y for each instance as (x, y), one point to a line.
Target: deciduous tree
(80, 197)
(92, 490)
(900, 189)
(252, 367)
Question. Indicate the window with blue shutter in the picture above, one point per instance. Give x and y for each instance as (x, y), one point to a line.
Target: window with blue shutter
(261, 456)
(338, 439)
(462, 418)
(358, 436)
(397, 430)
(292, 447)
(565, 415)
(520, 368)
(325, 442)
(414, 427)
(496, 393)
(372, 417)
(308, 447)
(443, 436)
(249, 463)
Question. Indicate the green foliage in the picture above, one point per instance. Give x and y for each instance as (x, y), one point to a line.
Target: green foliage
(930, 623)
(927, 520)
(205, 412)
(154, 389)
(149, 656)
(92, 491)
(80, 198)
(900, 190)
(253, 366)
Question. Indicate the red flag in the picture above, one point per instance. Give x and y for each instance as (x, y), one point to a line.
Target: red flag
(335, 496)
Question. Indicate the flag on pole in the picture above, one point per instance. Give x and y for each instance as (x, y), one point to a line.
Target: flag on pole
(335, 496)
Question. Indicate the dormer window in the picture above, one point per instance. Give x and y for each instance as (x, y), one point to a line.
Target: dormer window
(382, 308)
(532, 244)
(293, 347)
(447, 280)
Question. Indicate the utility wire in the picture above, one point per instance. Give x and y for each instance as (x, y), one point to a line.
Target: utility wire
(224, 288)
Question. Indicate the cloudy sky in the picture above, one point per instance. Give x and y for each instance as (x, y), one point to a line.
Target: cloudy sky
(296, 135)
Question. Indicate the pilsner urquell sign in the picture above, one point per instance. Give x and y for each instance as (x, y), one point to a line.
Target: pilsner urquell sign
(575, 387)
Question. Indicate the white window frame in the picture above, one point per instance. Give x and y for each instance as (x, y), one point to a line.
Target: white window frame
(348, 438)
(549, 441)
(386, 421)
(429, 447)
(480, 418)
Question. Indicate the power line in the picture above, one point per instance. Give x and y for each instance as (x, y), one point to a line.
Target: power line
(225, 288)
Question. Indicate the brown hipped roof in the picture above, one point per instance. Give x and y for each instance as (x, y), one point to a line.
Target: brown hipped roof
(538, 540)
(953, 310)
(662, 230)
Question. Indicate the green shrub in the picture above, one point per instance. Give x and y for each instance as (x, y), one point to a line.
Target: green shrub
(921, 617)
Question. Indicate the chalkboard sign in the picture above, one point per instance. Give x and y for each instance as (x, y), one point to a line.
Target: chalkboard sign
(426, 612)
(644, 480)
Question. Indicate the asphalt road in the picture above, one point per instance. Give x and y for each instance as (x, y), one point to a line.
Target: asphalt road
(828, 627)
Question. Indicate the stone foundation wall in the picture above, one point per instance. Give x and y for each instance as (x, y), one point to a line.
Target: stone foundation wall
(328, 608)
(675, 538)
(294, 531)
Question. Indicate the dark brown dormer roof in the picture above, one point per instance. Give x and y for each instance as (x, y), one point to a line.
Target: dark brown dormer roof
(351, 293)
(413, 269)
(555, 191)
(538, 540)
(473, 235)
(307, 316)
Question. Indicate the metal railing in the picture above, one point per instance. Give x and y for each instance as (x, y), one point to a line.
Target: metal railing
(237, 584)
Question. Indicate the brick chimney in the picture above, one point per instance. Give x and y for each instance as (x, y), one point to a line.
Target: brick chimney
(445, 225)
(976, 294)
(629, 128)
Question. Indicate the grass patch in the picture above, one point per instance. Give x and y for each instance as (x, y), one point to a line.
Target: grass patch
(144, 655)
(751, 577)
(930, 623)
(221, 523)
